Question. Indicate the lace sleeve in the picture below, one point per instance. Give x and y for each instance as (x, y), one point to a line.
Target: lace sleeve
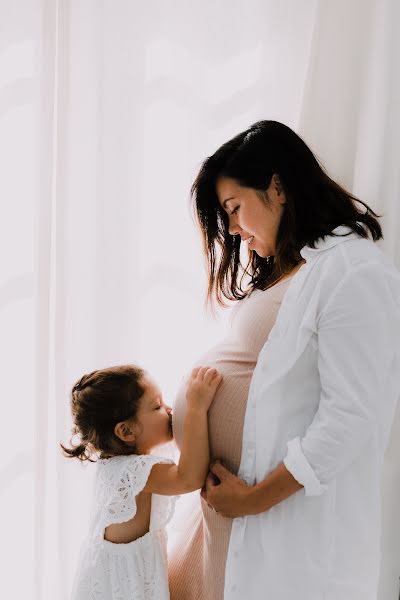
(125, 484)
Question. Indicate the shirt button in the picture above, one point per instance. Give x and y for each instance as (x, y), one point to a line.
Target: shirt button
(236, 554)
(233, 588)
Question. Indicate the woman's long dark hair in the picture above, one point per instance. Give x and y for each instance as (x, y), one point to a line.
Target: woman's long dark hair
(315, 206)
(100, 400)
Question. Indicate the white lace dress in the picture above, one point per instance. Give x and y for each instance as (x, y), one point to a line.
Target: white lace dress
(136, 570)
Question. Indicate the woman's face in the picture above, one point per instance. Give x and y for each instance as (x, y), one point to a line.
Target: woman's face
(254, 219)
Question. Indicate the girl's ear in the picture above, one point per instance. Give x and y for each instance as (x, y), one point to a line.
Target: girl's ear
(125, 431)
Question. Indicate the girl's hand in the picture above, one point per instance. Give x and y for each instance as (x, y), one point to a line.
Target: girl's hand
(202, 386)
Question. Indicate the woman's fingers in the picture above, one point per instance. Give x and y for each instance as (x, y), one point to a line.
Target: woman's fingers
(220, 471)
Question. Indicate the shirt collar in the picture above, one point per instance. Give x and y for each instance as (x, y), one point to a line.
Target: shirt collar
(343, 233)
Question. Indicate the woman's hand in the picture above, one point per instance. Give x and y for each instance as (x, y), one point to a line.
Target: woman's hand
(230, 497)
(233, 498)
(202, 386)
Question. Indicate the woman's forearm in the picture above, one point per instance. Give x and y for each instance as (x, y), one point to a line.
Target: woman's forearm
(276, 487)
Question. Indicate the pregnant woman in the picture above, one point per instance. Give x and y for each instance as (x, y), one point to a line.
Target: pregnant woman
(311, 380)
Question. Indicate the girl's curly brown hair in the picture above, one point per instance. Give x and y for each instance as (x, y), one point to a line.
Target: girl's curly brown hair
(100, 400)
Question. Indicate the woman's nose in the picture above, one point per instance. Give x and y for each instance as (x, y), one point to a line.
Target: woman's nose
(168, 409)
(234, 229)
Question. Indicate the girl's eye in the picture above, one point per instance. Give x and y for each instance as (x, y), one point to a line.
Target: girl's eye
(235, 210)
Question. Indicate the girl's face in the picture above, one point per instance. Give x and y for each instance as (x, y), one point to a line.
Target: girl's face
(255, 220)
(154, 418)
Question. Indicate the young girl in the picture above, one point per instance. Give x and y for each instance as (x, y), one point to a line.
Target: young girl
(120, 416)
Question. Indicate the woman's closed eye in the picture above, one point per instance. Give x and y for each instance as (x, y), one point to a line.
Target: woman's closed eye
(234, 211)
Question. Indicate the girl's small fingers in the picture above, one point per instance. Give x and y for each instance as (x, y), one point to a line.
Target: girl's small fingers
(217, 379)
(195, 372)
(209, 375)
(201, 373)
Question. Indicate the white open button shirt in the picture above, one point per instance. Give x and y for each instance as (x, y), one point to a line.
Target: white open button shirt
(322, 400)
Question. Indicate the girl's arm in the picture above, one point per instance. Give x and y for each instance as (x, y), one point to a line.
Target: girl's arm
(191, 471)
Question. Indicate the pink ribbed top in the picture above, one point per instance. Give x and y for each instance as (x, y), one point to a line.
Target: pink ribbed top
(197, 564)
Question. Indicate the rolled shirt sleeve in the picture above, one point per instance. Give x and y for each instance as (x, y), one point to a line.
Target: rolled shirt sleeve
(355, 350)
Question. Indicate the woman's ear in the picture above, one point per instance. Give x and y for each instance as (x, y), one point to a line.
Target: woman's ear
(278, 188)
(125, 431)
(277, 183)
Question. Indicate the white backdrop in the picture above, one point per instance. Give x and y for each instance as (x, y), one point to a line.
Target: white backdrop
(107, 108)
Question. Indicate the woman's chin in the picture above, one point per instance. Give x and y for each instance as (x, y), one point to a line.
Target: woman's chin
(261, 253)
(264, 252)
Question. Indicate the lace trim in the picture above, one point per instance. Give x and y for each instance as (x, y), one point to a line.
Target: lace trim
(121, 483)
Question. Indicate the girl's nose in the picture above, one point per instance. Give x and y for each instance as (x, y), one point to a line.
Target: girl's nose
(168, 409)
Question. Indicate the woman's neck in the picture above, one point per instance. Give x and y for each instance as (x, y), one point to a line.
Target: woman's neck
(290, 273)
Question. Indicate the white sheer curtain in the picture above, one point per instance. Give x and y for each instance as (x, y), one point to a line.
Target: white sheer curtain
(106, 110)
